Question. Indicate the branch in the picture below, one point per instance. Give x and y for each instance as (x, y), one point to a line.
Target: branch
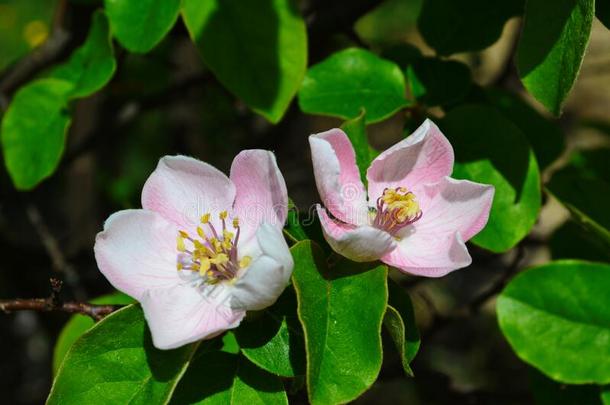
(54, 304)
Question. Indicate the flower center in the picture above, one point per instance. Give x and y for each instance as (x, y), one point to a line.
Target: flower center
(396, 208)
(212, 254)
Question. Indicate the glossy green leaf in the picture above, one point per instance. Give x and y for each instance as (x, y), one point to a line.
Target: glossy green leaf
(399, 321)
(551, 48)
(556, 318)
(140, 25)
(587, 198)
(92, 65)
(350, 80)
(545, 137)
(481, 137)
(222, 377)
(451, 26)
(343, 342)
(115, 362)
(605, 395)
(256, 48)
(274, 339)
(549, 392)
(390, 22)
(34, 130)
(356, 132)
(437, 82)
(79, 324)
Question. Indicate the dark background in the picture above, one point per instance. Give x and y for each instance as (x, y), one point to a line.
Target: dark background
(165, 102)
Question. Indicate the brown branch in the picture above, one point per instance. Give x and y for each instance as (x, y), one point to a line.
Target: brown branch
(54, 304)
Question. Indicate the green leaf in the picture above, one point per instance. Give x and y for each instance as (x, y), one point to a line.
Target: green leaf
(549, 392)
(551, 48)
(544, 136)
(587, 198)
(352, 79)
(390, 22)
(399, 320)
(556, 318)
(140, 25)
(451, 26)
(115, 362)
(356, 132)
(293, 227)
(34, 129)
(221, 377)
(605, 395)
(79, 324)
(92, 65)
(482, 137)
(438, 82)
(256, 48)
(341, 310)
(274, 340)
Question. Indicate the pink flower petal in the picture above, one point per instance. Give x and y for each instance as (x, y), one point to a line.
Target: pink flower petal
(429, 255)
(337, 176)
(261, 191)
(136, 251)
(453, 212)
(454, 205)
(184, 314)
(360, 244)
(424, 157)
(182, 189)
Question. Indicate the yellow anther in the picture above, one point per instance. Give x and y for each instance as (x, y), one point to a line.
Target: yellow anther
(180, 244)
(205, 218)
(235, 222)
(184, 234)
(245, 262)
(223, 214)
(227, 235)
(401, 202)
(216, 244)
(227, 244)
(179, 266)
(220, 258)
(205, 265)
(200, 232)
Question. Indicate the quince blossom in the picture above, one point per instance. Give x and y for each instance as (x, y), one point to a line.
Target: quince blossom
(416, 217)
(204, 249)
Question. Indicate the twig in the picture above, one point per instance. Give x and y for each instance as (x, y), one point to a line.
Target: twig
(51, 245)
(54, 304)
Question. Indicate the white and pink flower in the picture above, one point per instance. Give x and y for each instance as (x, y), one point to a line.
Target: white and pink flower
(204, 249)
(416, 218)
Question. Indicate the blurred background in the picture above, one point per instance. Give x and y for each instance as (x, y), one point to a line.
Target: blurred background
(166, 102)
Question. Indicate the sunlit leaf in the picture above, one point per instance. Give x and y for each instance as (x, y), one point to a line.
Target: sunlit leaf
(343, 344)
(556, 318)
(140, 25)
(350, 80)
(551, 48)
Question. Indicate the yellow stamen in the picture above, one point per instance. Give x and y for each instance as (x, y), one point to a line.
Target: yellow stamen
(401, 202)
(200, 232)
(184, 234)
(245, 262)
(235, 222)
(206, 263)
(180, 244)
(223, 214)
(205, 218)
